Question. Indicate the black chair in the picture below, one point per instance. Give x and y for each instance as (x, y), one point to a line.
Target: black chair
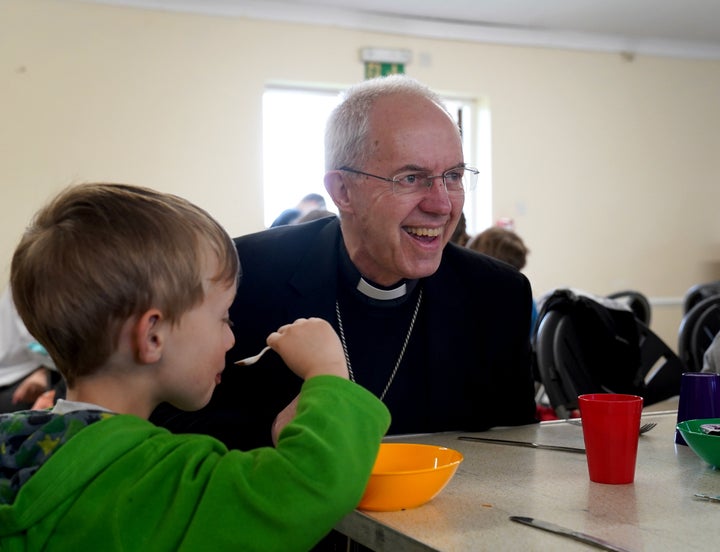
(699, 292)
(660, 368)
(637, 302)
(556, 357)
(582, 346)
(697, 330)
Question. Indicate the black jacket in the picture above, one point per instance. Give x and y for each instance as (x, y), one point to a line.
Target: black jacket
(467, 366)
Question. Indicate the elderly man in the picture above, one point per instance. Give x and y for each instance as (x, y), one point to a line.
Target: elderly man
(438, 332)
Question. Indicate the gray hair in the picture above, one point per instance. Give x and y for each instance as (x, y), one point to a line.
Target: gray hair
(348, 126)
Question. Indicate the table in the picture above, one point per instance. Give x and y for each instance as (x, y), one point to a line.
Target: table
(657, 512)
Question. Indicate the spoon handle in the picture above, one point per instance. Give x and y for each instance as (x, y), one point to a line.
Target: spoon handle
(253, 359)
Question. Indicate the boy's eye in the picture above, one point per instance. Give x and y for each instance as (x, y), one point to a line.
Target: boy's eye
(228, 322)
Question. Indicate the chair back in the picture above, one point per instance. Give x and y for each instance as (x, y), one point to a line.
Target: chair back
(559, 363)
(699, 292)
(660, 368)
(697, 330)
(584, 346)
(638, 303)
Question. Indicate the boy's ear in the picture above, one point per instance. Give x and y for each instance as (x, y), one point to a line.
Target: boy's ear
(149, 337)
(337, 190)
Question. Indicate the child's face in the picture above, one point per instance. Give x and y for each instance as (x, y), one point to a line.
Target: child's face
(194, 352)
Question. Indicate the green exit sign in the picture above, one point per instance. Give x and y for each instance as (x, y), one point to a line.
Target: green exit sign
(377, 69)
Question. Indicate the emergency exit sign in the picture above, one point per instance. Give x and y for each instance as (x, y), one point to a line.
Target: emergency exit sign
(375, 69)
(380, 62)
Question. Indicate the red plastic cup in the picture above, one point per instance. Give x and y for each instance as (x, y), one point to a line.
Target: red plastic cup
(611, 427)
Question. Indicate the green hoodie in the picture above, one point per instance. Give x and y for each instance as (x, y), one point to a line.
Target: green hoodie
(120, 483)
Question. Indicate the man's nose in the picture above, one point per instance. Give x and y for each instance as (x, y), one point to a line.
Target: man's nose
(436, 198)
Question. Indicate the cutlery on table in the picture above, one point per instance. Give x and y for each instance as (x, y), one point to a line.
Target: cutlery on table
(647, 427)
(643, 428)
(708, 497)
(253, 359)
(576, 535)
(521, 444)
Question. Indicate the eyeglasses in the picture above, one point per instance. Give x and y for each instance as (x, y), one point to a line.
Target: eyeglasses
(456, 180)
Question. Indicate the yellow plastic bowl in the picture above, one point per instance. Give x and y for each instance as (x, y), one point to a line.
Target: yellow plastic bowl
(407, 475)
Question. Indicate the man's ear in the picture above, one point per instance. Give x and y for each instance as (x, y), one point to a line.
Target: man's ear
(149, 336)
(338, 191)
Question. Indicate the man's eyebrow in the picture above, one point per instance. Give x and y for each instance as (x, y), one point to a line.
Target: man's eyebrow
(411, 167)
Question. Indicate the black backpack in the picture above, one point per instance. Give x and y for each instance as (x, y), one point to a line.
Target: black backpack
(587, 344)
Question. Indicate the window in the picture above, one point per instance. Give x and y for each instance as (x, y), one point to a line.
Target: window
(294, 155)
(293, 146)
(473, 117)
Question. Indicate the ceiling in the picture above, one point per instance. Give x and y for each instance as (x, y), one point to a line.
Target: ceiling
(676, 28)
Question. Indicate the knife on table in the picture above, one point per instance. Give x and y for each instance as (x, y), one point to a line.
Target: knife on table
(576, 535)
(521, 444)
(707, 497)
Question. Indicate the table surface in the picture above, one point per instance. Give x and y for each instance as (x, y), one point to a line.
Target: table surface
(657, 512)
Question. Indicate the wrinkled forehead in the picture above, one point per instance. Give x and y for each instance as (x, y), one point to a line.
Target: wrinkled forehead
(396, 108)
(402, 124)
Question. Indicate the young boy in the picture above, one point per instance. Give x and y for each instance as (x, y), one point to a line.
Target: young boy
(128, 289)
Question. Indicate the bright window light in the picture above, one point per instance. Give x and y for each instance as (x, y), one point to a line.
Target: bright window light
(293, 145)
(294, 153)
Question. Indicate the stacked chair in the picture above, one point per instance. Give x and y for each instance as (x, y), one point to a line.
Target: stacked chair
(699, 292)
(700, 324)
(589, 344)
(637, 302)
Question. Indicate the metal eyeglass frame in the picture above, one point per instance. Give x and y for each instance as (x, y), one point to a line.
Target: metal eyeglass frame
(424, 182)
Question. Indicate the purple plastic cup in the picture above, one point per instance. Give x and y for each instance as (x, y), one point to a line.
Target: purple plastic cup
(699, 398)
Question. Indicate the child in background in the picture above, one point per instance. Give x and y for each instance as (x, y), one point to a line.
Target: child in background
(24, 363)
(128, 289)
(501, 243)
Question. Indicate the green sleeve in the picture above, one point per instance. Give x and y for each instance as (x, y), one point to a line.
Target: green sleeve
(122, 484)
(293, 495)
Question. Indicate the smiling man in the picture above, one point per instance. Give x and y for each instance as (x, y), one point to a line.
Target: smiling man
(438, 332)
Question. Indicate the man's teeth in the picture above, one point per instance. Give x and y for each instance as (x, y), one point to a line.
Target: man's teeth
(429, 232)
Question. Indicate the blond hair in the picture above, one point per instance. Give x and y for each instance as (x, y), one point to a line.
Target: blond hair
(99, 254)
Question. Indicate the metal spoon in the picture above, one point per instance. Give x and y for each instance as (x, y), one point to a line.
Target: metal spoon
(253, 359)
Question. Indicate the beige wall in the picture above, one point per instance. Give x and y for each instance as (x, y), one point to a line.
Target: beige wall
(610, 167)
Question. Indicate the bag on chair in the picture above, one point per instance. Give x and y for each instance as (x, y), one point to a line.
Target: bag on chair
(587, 344)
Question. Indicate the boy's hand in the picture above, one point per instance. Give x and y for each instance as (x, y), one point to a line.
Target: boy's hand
(310, 347)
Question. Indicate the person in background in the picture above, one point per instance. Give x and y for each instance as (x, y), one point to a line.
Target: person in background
(503, 244)
(460, 235)
(315, 214)
(25, 367)
(129, 290)
(308, 203)
(437, 332)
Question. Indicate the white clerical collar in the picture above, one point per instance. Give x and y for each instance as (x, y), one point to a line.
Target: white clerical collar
(373, 292)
